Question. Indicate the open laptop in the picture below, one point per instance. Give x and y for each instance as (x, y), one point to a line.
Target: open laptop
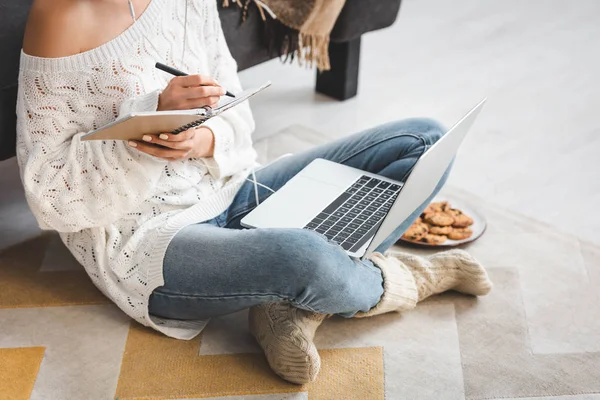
(356, 209)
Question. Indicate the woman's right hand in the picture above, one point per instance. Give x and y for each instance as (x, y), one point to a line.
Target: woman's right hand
(188, 92)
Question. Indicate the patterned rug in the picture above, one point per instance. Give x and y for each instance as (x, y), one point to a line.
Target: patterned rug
(537, 335)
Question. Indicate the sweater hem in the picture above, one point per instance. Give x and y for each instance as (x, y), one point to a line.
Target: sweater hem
(178, 329)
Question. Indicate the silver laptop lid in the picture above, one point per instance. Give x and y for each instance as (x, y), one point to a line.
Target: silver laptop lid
(424, 177)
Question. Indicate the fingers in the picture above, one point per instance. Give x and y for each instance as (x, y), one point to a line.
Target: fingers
(171, 144)
(180, 137)
(212, 102)
(204, 91)
(195, 80)
(189, 92)
(159, 151)
(201, 96)
(181, 103)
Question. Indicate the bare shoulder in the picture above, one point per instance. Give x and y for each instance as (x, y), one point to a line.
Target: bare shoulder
(54, 28)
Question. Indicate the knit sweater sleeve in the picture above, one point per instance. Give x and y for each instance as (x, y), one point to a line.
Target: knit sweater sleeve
(71, 184)
(232, 130)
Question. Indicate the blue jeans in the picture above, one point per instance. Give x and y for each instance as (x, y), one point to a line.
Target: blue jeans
(217, 267)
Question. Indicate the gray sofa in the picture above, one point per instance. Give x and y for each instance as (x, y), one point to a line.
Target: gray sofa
(246, 41)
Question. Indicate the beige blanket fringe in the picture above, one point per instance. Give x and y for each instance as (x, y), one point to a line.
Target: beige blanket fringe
(312, 19)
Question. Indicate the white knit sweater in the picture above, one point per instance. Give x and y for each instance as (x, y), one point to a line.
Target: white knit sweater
(116, 208)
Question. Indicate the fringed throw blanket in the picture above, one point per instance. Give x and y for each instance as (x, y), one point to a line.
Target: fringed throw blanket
(302, 27)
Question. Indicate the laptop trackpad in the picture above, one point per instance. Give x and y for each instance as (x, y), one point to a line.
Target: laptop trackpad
(294, 205)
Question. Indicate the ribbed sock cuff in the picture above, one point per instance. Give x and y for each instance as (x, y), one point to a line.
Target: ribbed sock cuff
(399, 287)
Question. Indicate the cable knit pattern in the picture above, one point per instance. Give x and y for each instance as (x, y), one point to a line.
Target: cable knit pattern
(116, 208)
(286, 335)
(399, 287)
(408, 278)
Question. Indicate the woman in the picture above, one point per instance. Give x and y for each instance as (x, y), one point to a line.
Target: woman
(156, 223)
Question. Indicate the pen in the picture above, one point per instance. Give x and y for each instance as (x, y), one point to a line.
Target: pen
(177, 72)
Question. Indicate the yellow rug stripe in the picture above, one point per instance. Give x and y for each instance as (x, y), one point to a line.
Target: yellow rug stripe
(350, 374)
(22, 285)
(18, 371)
(158, 367)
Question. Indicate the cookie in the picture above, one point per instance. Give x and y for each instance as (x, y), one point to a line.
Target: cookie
(415, 232)
(440, 230)
(444, 206)
(436, 207)
(433, 239)
(461, 220)
(460, 233)
(439, 219)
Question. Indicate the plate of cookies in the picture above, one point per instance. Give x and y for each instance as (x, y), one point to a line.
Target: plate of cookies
(445, 223)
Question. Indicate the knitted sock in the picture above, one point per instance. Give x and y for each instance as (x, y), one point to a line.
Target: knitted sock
(286, 335)
(408, 278)
(449, 270)
(399, 287)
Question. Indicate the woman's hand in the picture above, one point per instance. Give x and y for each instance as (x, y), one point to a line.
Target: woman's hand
(183, 93)
(188, 92)
(194, 143)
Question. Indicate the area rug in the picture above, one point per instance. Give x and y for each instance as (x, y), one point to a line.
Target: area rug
(537, 335)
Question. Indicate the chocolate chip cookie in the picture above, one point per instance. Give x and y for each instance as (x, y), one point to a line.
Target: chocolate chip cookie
(461, 220)
(436, 207)
(460, 233)
(416, 231)
(440, 230)
(439, 218)
(433, 239)
(438, 223)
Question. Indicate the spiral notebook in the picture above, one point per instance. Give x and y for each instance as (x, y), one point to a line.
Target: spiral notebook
(134, 126)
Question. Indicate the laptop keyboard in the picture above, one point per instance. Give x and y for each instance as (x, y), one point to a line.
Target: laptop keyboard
(353, 218)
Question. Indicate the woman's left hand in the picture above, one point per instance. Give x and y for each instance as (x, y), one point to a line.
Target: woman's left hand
(194, 143)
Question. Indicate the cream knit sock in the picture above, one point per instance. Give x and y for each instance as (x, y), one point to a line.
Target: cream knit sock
(448, 270)
(408, 279)
(286, 335)
(399, 287)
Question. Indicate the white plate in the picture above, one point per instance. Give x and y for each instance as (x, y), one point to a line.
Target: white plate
(478, 227)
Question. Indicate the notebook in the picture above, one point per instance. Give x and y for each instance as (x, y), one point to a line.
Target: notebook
(135, 125)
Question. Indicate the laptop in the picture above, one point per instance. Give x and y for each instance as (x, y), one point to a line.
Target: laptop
(353, 208)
